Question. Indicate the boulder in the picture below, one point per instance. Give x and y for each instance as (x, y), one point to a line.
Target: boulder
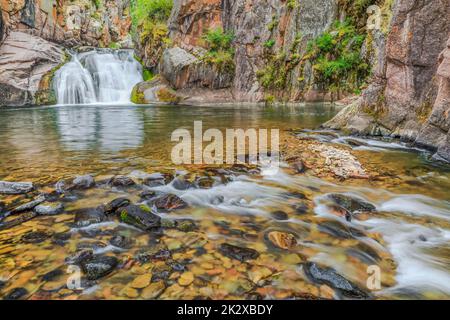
(15, 187)
(140, 217)
(154, 91)
(169, 202)
(24, 61)
(184, 70)
(99, 267)
(239, 253)
(49, 209)
(86, 217)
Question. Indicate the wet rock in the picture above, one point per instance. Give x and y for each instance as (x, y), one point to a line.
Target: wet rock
(204, 182)
(329, 277)
(168, 223)
(340, 212)
(121, 242)
(280, 215)
(351, 204)
(99, 267)
(2, 284)
(299, 167)
(157, 179)
(16, 294)
(282, 240)
(115, 204)
(338, 230)
(35, 237)
(49, 209)
(122, 181)
(21, 219)
(156, 252)
(301, 208)
(54, 274)
(91, 244)
(186, 225)
(86, 217)
(169, 202)
(154, 91)
(140, 217)
(28, 206)
(147, 194)
(180, 183)
(82, 183)
(176, 266)
(238, 253)
(80, 256)
(15, 187)
(154, 290)
(60, 187)
(161, 273)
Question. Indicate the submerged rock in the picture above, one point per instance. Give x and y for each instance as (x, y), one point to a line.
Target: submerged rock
(86, 217)
(339, 230)
(115, 204)
(121, 242)
(35, 237)
(15, 222)
(140, 217)
(238, 253)
(169, 202)
(15, 187)
(329, 277)
(99, 267)
(351, 204)
(49, 209)
(80, 256)
(156, 252)
(28, 206)
(282, 240)
(280, 215)
(82, 182)
(16, 294)
(181, 183)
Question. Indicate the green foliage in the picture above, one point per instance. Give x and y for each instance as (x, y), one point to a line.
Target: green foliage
(269, 44)
(114, 45)
(147, 75)
(217, 39)
(336, 58)
(97, 3)
(273, 24)
(220, 50)
(292, 4)
(150, 10)
(357, 9)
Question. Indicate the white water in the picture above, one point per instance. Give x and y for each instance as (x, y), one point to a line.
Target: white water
(98, 76)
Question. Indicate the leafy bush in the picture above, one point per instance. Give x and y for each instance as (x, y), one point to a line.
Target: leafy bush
(336, 58)
(153, 10)
(220, 50)
(269, 44)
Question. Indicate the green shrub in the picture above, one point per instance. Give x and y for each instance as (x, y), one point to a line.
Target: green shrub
(220, 50)
(269, 44)
(153, 10)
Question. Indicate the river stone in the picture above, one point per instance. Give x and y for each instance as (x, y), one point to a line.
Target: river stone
(83, 182)
(80, 256)
(122, 181)
(29, 205)
(351, 204)
(299, 167)
(15, 187)
(156, 252)
(339, 230)
(121, 242)
(91, 244)
(35, 237)
(140, 217)
(147, 194)
(86, 217)
(16, 294)
(282, 240)
(49, 209)
(99, 267)
(329, 277)
(19, 220)
(181, 183)
(169, 202)
(238, 253)
(280, 215)
(115, 204)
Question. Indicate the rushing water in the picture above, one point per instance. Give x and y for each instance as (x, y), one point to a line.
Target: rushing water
(407, 238)
(98, 76)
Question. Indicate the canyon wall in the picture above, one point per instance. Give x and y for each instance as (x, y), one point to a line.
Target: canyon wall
(409, 96)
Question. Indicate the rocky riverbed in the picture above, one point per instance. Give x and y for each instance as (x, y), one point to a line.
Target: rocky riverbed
(230, 232)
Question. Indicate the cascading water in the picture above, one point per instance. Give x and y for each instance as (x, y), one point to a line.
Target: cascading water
(98, 76)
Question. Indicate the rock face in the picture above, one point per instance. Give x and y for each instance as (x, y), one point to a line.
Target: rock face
(71, 23)
(253, 23)
(409, 94)
(154, 91)
(24, 61)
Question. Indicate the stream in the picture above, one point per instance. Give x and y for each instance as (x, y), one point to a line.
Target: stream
(219, 244)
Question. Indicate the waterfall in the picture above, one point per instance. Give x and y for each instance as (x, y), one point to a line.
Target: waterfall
(98, 76)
